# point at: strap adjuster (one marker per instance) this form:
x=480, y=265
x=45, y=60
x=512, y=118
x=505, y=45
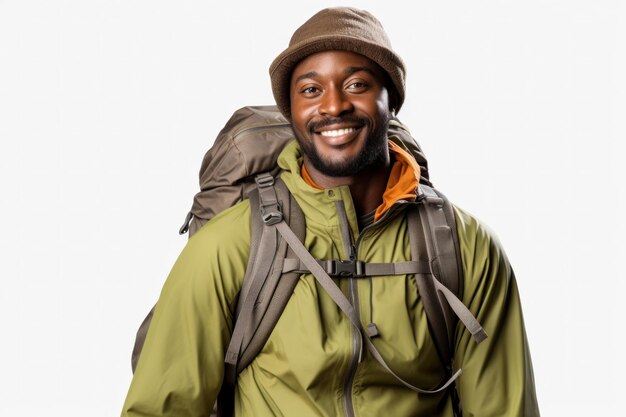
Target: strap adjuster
x=264, y=180
x=271, y=214
x=429, y=198
x=340, y=268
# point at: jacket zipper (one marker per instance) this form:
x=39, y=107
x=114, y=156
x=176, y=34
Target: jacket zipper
x=382, y=221
x=356, y=353
x=353, y=297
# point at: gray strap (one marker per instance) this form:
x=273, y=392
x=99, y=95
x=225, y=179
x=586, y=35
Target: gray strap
x=335, y=293
x=257, y=229
x=396, y=268
x=427, y=291
x=369, y=268
x=261, y=270
x=263, y=251
x=278, y=286
x=462, y=312
x=441, y=252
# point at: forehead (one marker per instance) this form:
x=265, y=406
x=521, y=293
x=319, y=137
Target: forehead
x=332, y=63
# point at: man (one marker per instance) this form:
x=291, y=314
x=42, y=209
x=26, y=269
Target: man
x=339, y=82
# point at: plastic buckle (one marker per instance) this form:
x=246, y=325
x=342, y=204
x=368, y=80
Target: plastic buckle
x=264, y=180
x=422, y=197
x=435, y=201
x=352, y=268
x=272, y=214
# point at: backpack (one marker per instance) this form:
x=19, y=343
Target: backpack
x=242, y=163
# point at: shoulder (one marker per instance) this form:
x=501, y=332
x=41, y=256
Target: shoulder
x=229, y=227
x=217, y=254
x=484, y=261
x=475, y=238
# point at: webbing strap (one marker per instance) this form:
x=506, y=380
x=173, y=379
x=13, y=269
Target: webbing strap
x=427, y=291
x=462, y=312
x=440, y=247
x=342, y=302
x=278, y=286
x=258, y=250
x=442, y=251
x=264, y=252
x=263, y=263
x=369, y=268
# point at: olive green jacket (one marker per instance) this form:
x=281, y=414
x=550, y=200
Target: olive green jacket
x=308, y=367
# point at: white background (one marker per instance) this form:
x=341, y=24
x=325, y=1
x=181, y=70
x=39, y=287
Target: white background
x=107, y=107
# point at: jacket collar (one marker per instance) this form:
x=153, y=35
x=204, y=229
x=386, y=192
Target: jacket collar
x=401, y=185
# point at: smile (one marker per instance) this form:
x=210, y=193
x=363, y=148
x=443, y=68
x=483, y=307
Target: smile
x=338, y=132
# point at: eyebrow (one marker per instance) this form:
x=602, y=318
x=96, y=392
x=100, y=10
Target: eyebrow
x=352, y=70
x=349, y=70
x=311, y=74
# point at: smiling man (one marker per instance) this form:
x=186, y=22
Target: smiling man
x=340, y=84
x=340, y=113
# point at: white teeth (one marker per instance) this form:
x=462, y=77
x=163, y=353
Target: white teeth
x=337, y=132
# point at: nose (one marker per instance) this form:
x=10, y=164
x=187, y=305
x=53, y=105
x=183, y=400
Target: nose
x=335, y=103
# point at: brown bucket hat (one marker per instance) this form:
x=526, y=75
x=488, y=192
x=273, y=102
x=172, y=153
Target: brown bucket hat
x=337, y=28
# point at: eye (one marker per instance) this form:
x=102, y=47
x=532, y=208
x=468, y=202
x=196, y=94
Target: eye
x=357, y=86
x=310, y=91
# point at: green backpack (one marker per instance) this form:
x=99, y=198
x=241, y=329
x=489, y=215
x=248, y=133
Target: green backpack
x=242, y=163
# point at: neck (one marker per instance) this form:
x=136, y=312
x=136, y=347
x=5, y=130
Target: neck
x=367, y=187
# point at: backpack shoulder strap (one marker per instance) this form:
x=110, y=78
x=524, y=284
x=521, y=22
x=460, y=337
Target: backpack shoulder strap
x=279, y=286
x=438, y=318
x=266, y=289
x=436, y=233
x=435, y=222
x=259, y=263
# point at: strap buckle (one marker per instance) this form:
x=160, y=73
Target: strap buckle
x=264, y=180
x=271, y=214
x=429, y=197
x=340, y=268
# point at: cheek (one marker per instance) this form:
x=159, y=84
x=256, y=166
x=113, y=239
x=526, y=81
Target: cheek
x=301, y=114
x=382, y=103
x=298, y=124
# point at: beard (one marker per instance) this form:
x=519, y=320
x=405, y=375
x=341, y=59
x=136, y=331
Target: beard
x=373, y=154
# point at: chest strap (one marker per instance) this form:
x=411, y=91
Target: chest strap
x=358, y=269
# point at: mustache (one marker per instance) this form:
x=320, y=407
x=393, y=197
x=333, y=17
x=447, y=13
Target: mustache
x=315, y=125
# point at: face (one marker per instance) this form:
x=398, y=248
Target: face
x=340, y=112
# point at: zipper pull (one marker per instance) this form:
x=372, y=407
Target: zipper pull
x=372, y=330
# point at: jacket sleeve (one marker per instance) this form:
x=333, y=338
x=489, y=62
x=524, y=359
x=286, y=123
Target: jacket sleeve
x=181, y=367
x=497, y=378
